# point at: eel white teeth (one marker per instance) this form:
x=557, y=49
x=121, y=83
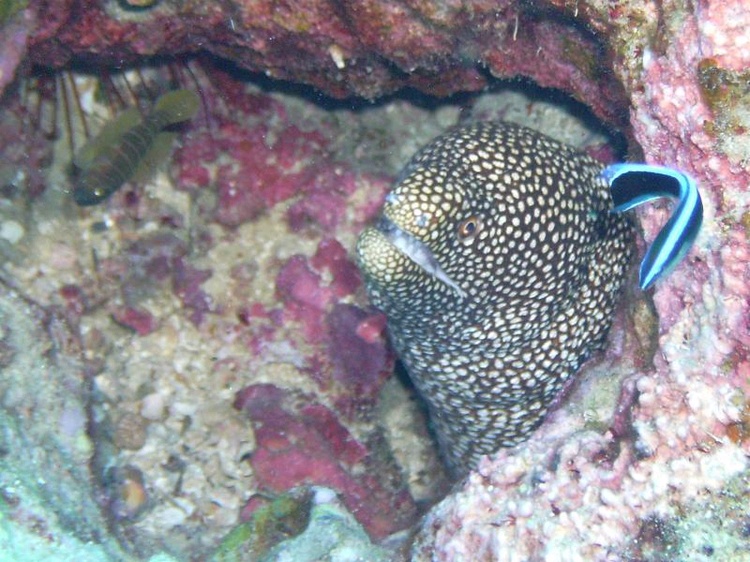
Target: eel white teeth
x=634, y=184
x=523, y=227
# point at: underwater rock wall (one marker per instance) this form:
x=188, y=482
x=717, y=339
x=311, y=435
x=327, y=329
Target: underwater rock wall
x=670, y=74
x=44, y=447
x=365, y=48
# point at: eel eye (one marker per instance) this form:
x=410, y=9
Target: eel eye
x=469, y=228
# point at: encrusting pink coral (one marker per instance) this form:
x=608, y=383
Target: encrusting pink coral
x=680, y=452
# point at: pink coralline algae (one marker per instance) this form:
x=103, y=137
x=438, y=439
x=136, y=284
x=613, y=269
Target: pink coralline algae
x=262, y=165
x=358, y=364
x=300, y=441
x=153, y=261
x=264, y=175
x=327, y=194
x=300, y=285
x=356, y=361
x=139, y=320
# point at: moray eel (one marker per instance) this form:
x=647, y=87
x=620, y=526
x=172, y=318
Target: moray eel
x=498, y=262
x=634, y=184
x=129, y=147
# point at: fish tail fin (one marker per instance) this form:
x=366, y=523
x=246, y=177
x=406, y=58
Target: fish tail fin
x=176, y=106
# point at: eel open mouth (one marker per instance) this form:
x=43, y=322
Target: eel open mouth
x=417, y=251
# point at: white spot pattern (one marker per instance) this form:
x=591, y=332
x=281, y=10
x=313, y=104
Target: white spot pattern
x=541, y=278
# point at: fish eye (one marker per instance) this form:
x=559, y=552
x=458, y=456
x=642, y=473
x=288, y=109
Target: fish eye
x=469, y=228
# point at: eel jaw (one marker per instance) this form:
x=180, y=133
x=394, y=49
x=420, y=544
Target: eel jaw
x=634, y=184
x=417, y=251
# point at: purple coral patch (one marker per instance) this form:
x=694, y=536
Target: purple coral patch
x=325, y=202
x=150, y=262
x=186, y=284
x=332, y=256
x=261, y=172
x=359, y=364
x=141, y=321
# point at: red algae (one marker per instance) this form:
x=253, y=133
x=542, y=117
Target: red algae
x=300, y=284
x=326, y=197
x=300, y=441
x=360, y=365
x=186, y=284
x=261, y=173
x=331, y=256
x=372, y=327
x=139, y=320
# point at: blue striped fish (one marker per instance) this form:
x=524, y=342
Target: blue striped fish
x=634, y=184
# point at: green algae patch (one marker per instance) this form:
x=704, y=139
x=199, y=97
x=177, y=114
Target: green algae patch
x=281, y=519
x=304, y=525
x=721, y=88
x=9, y=8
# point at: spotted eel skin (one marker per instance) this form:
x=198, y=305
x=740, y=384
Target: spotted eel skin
x=498, y=262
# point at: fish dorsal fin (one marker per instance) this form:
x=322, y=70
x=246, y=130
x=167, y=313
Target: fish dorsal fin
x=109, y=135
x=176, y=106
